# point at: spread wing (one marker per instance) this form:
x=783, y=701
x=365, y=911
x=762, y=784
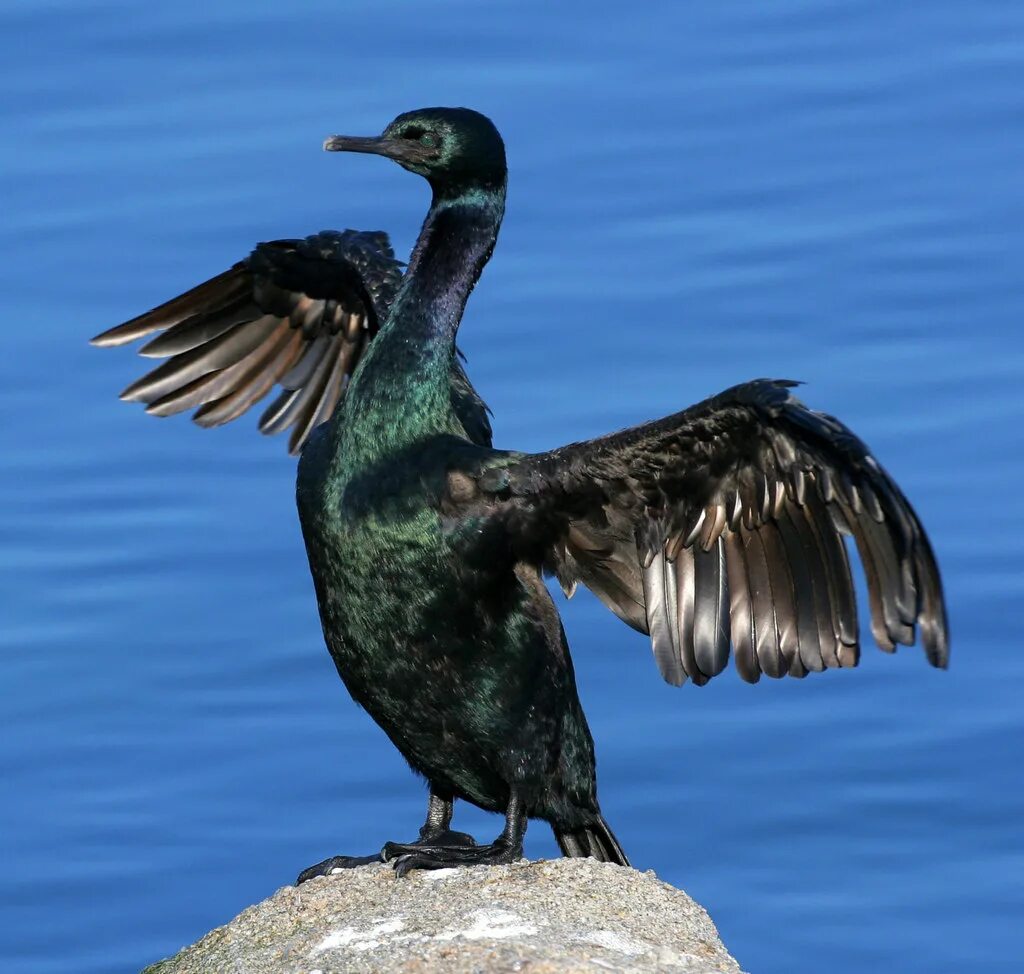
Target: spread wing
x=725, y=524
x=295, y=313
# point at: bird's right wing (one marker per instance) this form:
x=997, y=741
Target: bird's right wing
x=297, y=313
x=727, y=520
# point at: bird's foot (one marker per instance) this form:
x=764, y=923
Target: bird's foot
x=335, y=865
x=439, y=839
x=443, y=838
x=430, y=856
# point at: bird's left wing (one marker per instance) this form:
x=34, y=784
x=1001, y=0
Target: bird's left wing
x=725, y=523
x=297, y=313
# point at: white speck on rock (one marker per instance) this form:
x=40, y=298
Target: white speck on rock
x=434, y=874
x=487, y=924
x=358, y=939
x=611, y=940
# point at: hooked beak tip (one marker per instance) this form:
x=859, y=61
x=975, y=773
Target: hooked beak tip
x=331, y=143
x=356, y=143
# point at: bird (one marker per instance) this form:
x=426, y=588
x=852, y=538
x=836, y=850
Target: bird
x=721, y=530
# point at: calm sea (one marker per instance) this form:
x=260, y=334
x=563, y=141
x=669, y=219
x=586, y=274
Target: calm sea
x=700, y=193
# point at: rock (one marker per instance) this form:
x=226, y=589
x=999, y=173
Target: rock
x=562, y=915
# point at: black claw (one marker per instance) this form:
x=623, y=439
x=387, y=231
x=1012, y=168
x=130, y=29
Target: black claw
x=403, y=865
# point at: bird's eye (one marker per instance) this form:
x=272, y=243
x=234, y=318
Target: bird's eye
x=426, y=137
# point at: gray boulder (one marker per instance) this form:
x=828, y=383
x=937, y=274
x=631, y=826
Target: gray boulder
x=562, y=915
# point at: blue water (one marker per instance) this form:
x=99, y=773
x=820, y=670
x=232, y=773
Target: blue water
x=700, y=193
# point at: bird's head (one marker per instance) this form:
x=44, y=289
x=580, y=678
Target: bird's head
x=451, y=148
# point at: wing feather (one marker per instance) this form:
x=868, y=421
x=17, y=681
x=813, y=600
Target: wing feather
x=766, y=639
x=686, y=588
x=659, y=618
x=804, y=565
x=824, y=583
x=783, y=597
x=219, y=292
x=741, y=615
x=710, y=627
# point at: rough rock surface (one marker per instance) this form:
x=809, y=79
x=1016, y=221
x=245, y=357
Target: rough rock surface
x=536, y=917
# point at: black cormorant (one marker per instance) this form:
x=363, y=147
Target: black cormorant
x=721, y=523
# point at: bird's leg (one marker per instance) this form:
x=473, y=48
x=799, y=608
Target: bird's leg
x=435, y=832
x=508, y=847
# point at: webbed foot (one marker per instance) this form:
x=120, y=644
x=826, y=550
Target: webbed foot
x=424, y=856
x=335, y=864
x=443, y=838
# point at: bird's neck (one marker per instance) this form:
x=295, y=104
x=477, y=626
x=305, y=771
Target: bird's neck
x=401, y=390
x=454, y=244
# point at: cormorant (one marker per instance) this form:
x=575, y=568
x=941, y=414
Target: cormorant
x=723, y=522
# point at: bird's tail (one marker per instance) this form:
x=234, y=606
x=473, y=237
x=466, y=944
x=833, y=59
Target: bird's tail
x=595, y=840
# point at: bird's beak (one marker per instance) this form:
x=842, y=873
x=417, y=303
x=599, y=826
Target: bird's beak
x=401, y=150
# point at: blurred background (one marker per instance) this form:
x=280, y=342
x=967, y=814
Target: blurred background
x=700, y=194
